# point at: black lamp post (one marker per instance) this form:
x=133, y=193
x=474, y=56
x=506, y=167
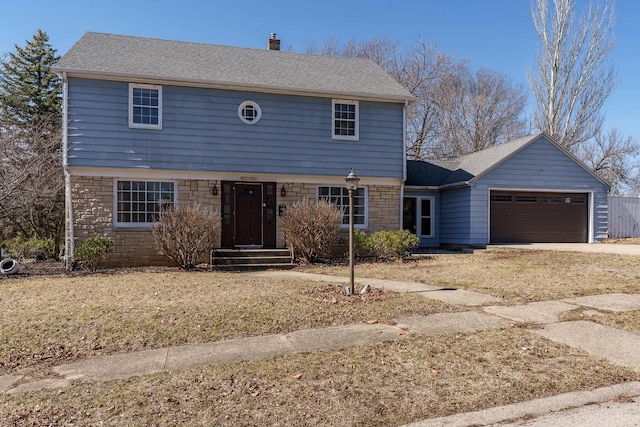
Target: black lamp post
x=352, y=186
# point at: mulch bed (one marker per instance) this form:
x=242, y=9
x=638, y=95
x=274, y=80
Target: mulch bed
x=334, y=294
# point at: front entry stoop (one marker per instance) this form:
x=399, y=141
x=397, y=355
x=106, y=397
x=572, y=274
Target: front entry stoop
x=251, y=259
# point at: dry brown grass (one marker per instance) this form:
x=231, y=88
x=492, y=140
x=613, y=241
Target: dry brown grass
x=375, y=385
x=517, y=275
x=50, y=320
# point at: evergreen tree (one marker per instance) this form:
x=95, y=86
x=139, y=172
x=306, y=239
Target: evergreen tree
x=31, y=174
x=29, y=91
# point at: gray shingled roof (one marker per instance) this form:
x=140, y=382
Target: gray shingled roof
x=128, y=57
x=464, y=168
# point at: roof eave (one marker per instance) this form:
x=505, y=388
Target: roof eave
x=229, y=85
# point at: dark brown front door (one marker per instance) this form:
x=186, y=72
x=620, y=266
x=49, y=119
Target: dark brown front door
x=248, y=214
x=248, y=221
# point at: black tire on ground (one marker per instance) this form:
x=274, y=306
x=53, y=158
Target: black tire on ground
x=9, y=266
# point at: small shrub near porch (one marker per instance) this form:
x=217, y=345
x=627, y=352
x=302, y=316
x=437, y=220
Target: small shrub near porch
x=385, y=245
x=187, y=232
x=311, y=227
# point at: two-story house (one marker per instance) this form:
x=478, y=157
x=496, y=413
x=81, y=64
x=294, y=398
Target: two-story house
x=151, y=122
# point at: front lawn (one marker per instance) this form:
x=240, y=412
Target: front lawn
x=50, y=320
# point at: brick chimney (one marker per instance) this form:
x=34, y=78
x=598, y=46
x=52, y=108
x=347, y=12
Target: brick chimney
x=274, y=43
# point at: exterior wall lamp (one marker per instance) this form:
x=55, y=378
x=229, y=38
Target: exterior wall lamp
x=283, y=191
x=352, y=186
x=214, y=190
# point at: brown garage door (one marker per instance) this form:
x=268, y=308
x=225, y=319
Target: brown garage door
x=521, y=217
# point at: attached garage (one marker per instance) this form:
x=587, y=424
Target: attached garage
x=530, y=190
x=528, y=217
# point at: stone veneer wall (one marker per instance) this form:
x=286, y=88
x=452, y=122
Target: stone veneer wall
x=93, y=202
x=383, y=203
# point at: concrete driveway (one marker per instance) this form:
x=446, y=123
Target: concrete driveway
x=602, y=248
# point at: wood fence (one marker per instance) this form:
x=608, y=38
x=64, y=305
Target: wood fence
x=624, y=217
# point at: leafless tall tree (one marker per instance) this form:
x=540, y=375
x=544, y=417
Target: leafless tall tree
x=477, y=111
x=31, y=182
x=574, y=75
x=611, y=156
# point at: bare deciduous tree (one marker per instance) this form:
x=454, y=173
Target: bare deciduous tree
x=31, y=181
x=574, y=75
x=610, y=156
x=477, y=111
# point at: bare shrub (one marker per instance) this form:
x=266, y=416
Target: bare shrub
x=311, y=227
x=185, y=233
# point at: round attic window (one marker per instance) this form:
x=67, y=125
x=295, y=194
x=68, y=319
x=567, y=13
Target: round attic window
x=249, y=112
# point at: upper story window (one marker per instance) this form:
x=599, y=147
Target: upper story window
x=139, y=203
x=345, y=120
x=339, y=196
x=145, y=106
x=249, y=112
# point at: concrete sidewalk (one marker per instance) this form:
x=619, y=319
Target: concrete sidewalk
x=612, y=344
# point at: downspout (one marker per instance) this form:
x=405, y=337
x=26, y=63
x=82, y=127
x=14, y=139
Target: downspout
x=69, y=234
x=404, y=161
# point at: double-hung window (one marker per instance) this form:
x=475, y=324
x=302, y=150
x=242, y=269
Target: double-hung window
x=140, y=203
x=145, y=106
x=339, y=196
x=345, y=120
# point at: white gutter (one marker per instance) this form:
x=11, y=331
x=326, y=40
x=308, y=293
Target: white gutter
x=69, y=234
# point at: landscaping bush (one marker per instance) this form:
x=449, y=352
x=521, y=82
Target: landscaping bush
x=362, y=243
x=310, y=228
x=393, y=244
x=22, y=249
x=185, y=233
x=91, y=251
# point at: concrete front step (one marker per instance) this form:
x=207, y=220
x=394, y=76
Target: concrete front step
x=251, y=259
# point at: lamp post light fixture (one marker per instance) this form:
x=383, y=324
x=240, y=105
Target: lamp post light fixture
x=352, y=186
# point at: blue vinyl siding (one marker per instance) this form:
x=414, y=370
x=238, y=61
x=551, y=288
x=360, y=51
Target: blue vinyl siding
x=455, y=216
x=202, y=132
x=536, y=168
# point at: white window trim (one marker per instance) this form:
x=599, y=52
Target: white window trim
x=118, y=224
x=365, y=225
x=419, y=216
x=355, y=137
x=142, y=125
x=255, y=106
